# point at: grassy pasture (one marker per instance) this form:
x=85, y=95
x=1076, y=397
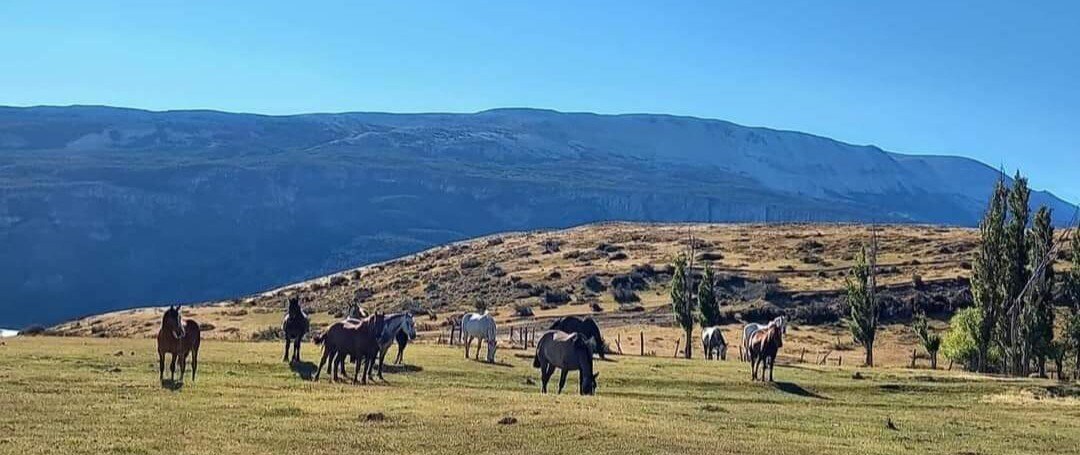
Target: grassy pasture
x=101, y=396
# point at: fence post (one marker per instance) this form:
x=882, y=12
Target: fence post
x=452, y=328
x=840, y=361
x=511, y=334
x=642, y=336
x=914, y=352
x=618, y=343
x=677, y=343
x=801, y=355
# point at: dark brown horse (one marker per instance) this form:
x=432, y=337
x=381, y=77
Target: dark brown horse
x=588, y=329
x=570, y=352
x=764, y=344
x=356, y=339
x=295, y=326
x=178, y=339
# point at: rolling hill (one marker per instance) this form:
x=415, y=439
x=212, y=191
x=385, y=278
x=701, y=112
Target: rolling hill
x=106, y=208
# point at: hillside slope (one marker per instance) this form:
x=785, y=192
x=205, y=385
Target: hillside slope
x=797, y=270
x=106, y=208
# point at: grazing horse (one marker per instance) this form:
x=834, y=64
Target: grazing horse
x=481, y=327
x=752, y=327
x=358, y=339
x=295, y=326
x=570, y=352
x=178, y=339
x=396, y=325
x=764, y=344
x=586, y=327
x=712, y=340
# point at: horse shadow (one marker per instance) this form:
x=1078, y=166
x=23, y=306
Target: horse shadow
x=172, y=385
x=495, y=363
x=795, y=389
x=306, y=370
x=405, y=368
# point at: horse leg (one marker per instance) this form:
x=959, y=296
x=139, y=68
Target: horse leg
x=183, y=365
x=161, y=365
x=545, y=375
x=322, y=362
x=400, y=353
x=296, y=349
x=562, y=379
x=382, y=360
x=286, y=356
x=772, y=366
x=467, y=342
x=172, y=367
x=194, y=362
x=478, y=342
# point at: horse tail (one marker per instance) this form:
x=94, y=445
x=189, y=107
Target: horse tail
x=536, y=358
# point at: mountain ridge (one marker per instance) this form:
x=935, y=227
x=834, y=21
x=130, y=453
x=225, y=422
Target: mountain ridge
x=104, y=208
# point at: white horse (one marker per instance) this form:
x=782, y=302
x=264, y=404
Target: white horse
x=481, y=327
x=752, y=327
x=395, y=323
x=712, y=340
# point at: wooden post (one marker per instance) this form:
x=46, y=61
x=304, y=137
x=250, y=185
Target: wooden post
x=950, y=364
x=914, y=352
x=511, y=334
x=802, y=355
x=840, y=361
x=618, y=343
x=440, y=337
x=453, y=327
x=678, y=341
x=642, y=336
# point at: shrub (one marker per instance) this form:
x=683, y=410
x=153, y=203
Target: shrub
x=917, y=281
x=619, y=256
x=550, y=246
x=624, y=295
x=959, y=343
x=338, y=280
x=480, y=305
x=593, y=283
x=272, y=333
x=556, y=297
x=817, y=313
x=523, y=310
x=470, y=263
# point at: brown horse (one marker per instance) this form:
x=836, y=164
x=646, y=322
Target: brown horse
x=356, y=339
x=178, y=339
x=764, y=344
x=294, y=326
x=570, y=352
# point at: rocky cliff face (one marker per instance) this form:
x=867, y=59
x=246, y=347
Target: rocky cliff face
x=104, y=208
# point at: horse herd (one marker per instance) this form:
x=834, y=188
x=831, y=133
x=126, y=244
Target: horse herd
x=362, y=339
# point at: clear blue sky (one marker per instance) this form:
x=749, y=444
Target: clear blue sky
x=985, y=79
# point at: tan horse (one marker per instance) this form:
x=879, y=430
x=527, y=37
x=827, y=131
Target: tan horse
x=764, y=344
x=178, y=339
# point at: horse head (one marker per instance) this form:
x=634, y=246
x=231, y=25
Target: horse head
x=410, y=326
x=589, y=384
x=294, y=305
x=171, y=322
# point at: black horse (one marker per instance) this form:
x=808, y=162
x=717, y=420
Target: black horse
x=586, y=327
x=295, y=326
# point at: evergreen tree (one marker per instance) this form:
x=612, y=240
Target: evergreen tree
x=1072, y=292
x=988, y=274
x=861, y=284
x=1015, y=256
x=682, y=302
x=706, y=299
x=1038, y=313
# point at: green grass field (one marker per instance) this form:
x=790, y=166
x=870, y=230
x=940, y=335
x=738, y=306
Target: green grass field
x=102, y=396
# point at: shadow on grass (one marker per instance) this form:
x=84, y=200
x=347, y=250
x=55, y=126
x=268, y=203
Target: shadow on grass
x=496, y=363
x=795, y=389
x=391, y=368
x=306, y=370
x=172, y=384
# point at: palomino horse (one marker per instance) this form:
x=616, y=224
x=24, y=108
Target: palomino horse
x=712, y=340
x=178, y=339
x=295, y=326
x=586, y=327
x=752, y=327
x=396, y=324
x=764, y=345
x=481, y=327
x=358, y=339
x=570, y=352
